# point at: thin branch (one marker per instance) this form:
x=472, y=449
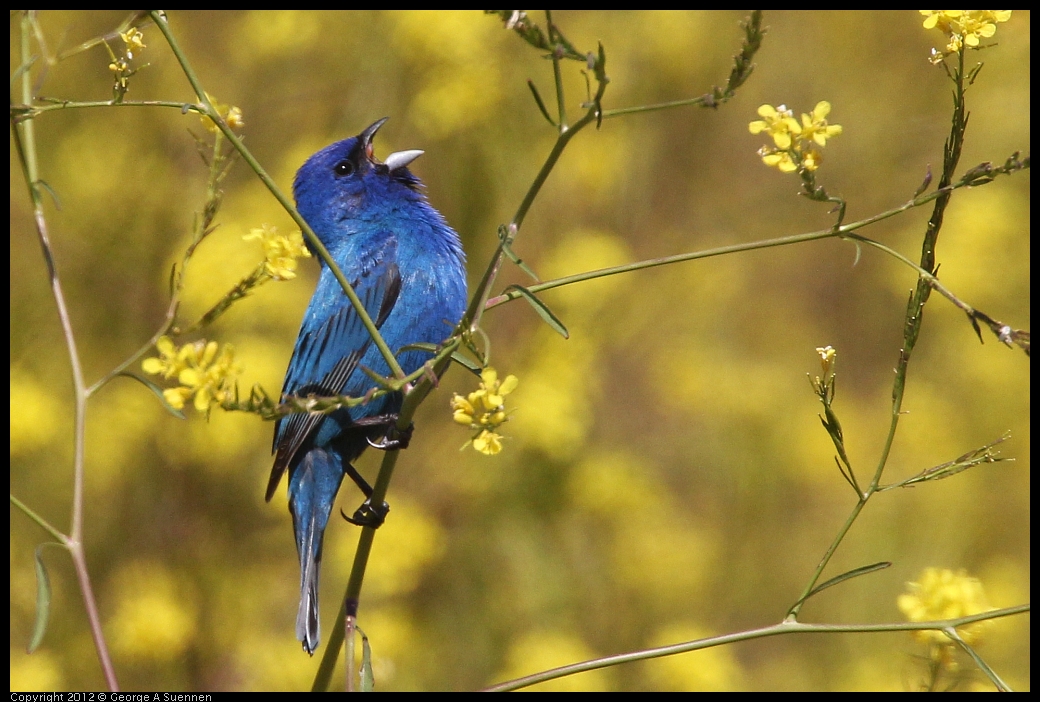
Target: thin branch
x=751, y=634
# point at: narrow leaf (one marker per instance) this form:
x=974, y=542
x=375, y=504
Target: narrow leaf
x=368, y=679
x=849, y=576
x=541, y=105
x=158, y=393
x=43, y=602
x=173, y=279
x=467, y=363
x=543, y=311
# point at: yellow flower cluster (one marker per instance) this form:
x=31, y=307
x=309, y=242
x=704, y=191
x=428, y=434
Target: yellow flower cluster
x=943, y=594
x=483, y=411
x=120, y=66
x=202, y=374
x=231, y=115
x=280, y=251
x=963, y=27
x=794, y=144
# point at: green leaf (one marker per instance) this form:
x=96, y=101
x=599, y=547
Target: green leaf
x=543, y=311
x=848, y=576
x=43, y=601
x=158, y=393
x=541, y=105
x=368, y=679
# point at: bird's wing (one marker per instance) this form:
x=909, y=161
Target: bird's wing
x=328, y=351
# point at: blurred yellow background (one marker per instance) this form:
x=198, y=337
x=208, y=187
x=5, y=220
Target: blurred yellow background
x=665, y=476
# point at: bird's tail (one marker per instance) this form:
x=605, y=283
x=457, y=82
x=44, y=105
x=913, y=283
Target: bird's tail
x=308, y=627
x=312, y=492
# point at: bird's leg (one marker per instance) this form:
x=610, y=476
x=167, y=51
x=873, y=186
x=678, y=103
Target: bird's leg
x=367, y=514
x=358, y=480
x=393, y=438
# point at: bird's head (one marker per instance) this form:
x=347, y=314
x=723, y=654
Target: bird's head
x=345, y=183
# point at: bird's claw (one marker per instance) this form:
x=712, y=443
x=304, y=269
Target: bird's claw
x=368, y=515
x=394, y=439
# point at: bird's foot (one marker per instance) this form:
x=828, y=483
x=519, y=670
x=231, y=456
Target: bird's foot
x=394, y=438
x=368, y=515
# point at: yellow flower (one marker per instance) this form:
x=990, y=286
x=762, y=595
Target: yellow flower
x=981, y=23
x=234, y=118
x=463, y=410
x=483, y=411
x=815, y=126
x=166, y=363
x=280, y=251
x=943, y=594
x=964, y=27
x=778, y=122
x=218, y=383
x=200, y=373
x=795, y=144
x=940, y=19
x=496, y=390
x=811, y=159
x=488, y=443
x=780, y=159
x=177, y=396
x=133, y=40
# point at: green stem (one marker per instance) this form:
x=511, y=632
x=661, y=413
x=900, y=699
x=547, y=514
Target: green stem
x=843, y=231
x=983, y=666
x=24, y=112
x=914, y=317
x=763, y=632
x=792, y=613
x=352, y=598
x=40, y=521
x=561, y=105
x=25, y=142
x=621, y=111
x=479, y=301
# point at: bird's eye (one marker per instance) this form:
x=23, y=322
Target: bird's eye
x=343, y=168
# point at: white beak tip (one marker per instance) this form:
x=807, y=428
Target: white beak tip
x=400, y=159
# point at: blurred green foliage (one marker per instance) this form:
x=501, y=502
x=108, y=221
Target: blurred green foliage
x=665, y=475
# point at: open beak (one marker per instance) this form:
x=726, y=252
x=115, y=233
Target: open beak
x=398, y=159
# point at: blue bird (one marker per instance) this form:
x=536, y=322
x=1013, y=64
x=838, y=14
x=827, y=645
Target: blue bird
x=408, y=268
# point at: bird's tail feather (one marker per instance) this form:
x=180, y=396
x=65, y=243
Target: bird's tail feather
x=308, y=626
x=312, y=492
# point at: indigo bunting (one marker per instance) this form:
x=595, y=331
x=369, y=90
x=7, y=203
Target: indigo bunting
x=408, y=268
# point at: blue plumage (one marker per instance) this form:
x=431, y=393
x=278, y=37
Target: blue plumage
x=407, y=266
